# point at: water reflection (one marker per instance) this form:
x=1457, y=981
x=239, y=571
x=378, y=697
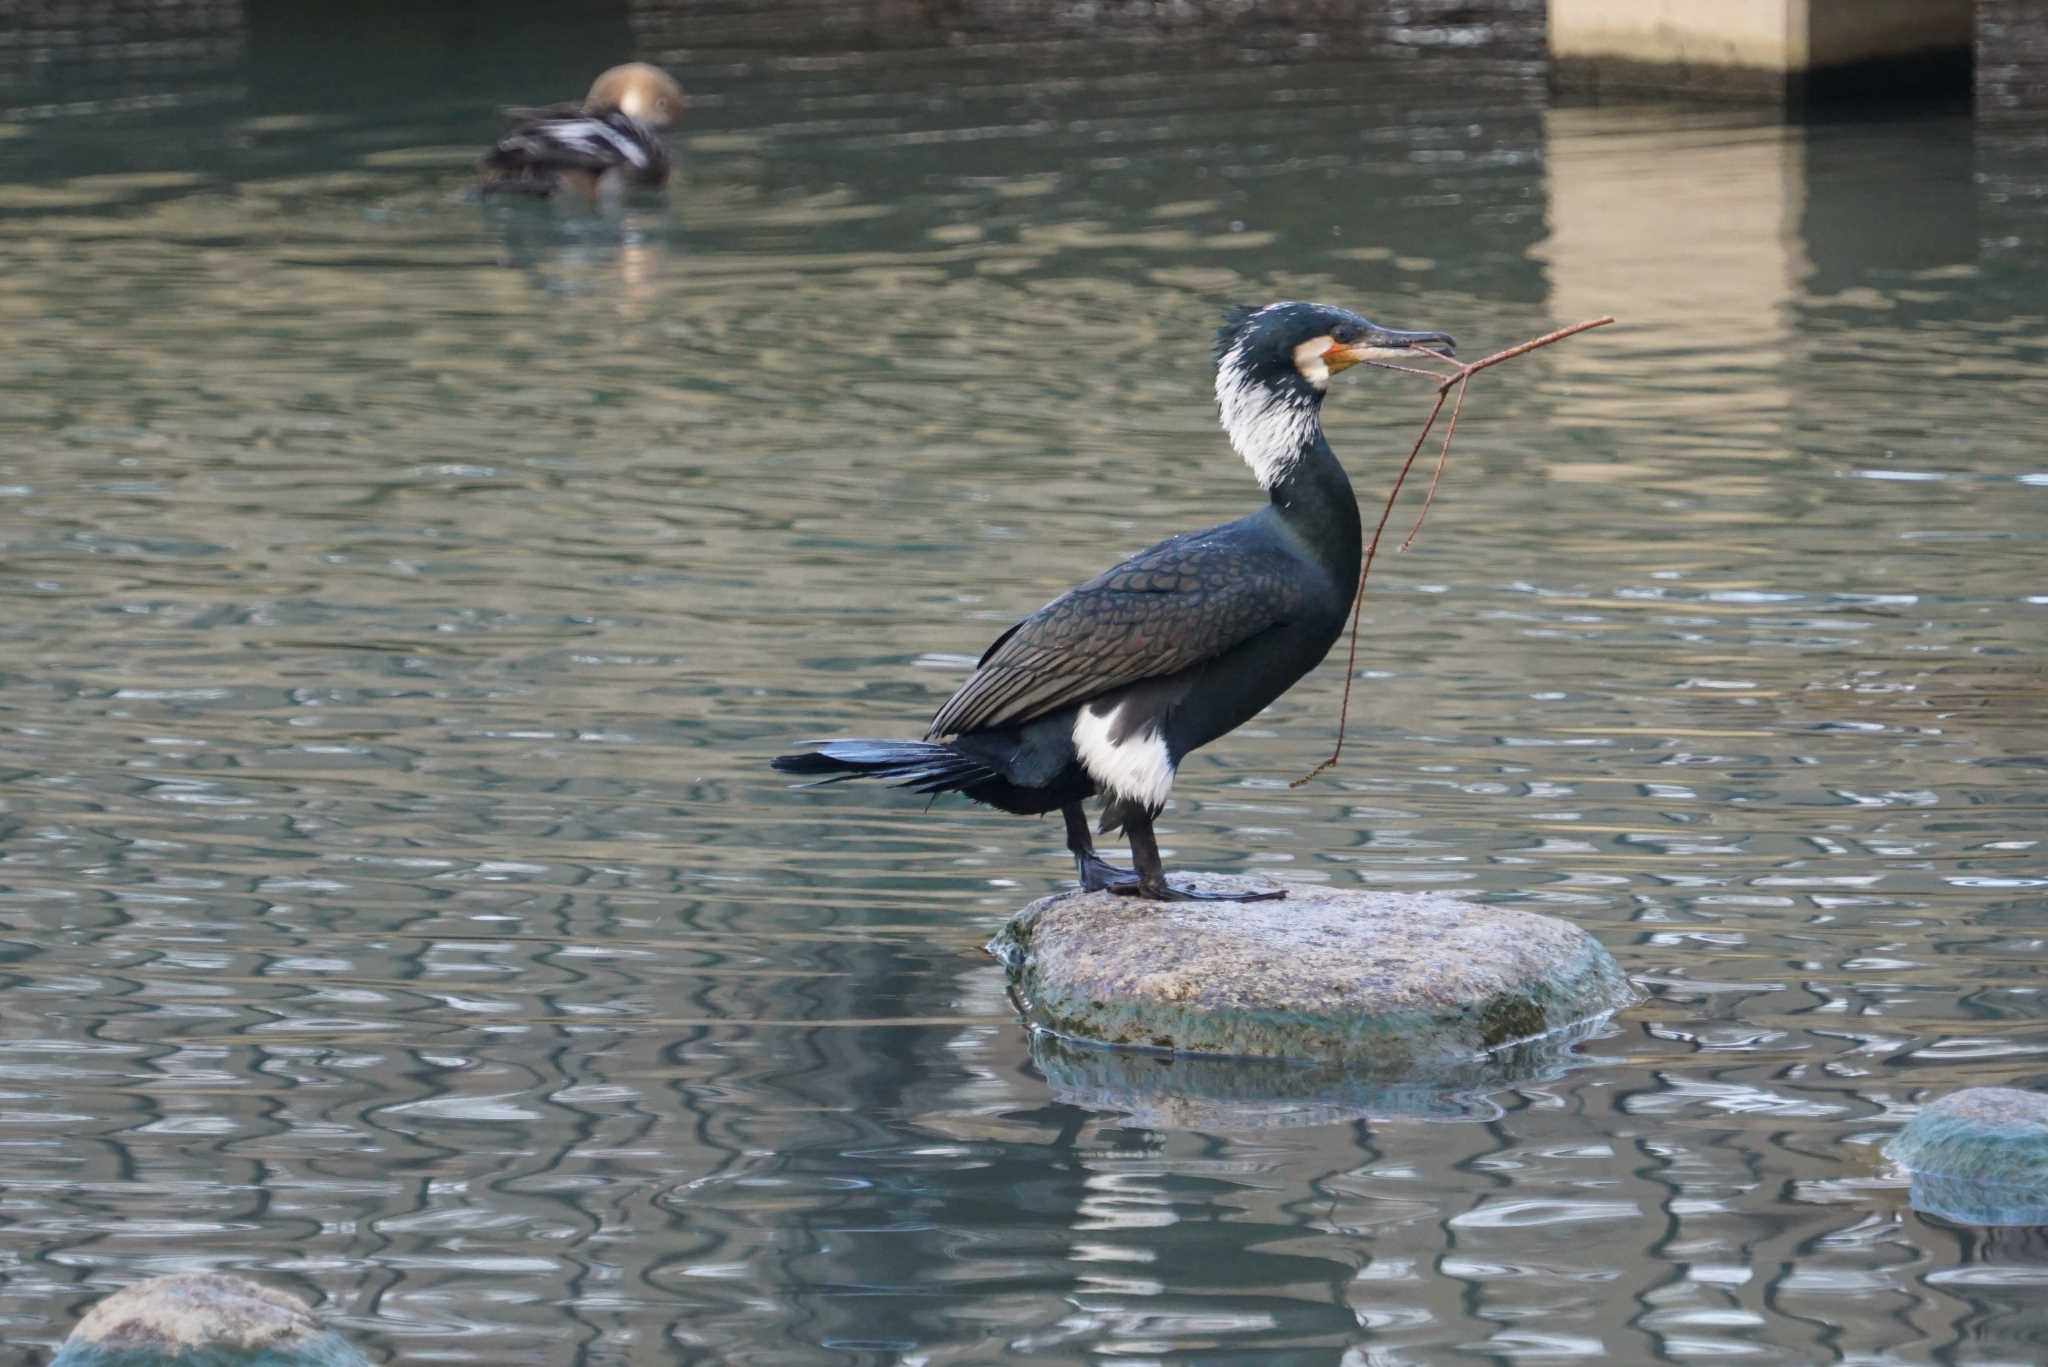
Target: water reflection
x=1213, y=1093
x=402, y=595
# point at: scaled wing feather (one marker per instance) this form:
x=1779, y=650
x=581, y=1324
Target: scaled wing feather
x=1181, y=604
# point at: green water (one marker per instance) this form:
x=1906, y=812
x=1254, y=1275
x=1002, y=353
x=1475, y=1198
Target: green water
x=400, y=597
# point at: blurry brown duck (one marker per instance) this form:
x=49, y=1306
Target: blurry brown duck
x=606, y=144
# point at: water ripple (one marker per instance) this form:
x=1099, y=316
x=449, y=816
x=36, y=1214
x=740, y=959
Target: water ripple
x=405, y=594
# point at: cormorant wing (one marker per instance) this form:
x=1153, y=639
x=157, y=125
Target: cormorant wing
x=1186, y=601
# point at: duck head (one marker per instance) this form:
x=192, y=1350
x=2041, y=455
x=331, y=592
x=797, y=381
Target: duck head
x=639, y=91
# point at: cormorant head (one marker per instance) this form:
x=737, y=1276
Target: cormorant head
x=1273, y=364
x=639, y=91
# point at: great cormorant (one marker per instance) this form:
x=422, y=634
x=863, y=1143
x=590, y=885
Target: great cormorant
x=610, y=141
x=1107, y=687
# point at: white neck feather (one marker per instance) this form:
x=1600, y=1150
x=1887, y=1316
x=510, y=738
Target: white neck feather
x=1269, y=430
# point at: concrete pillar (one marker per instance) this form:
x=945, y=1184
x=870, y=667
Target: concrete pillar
x=1779, y=51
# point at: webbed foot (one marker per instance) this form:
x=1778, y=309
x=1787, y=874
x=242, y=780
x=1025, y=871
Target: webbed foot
x=1098, y=875
x=1166, y=892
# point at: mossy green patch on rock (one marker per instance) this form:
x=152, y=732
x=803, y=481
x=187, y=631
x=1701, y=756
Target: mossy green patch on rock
x=1394, y=983
x=1176, y=1091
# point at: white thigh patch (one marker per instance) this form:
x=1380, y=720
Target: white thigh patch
x=1137, y=767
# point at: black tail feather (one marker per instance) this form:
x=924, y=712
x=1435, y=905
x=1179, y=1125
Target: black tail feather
x=914, y=764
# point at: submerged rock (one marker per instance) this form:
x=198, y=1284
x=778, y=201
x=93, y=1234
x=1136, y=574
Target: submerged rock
x=1979, y=1156
x=203, y=1319
x=1164, y=1091
x=1391, y=984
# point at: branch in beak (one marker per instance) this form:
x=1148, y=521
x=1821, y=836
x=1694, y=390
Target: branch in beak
x=1385, y=344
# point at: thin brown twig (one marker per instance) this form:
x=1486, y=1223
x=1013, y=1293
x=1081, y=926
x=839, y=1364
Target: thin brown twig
x=1443, y=458
x=1462, y=377
x=1412, y=370
x=1467, y=371
x=1358, y=599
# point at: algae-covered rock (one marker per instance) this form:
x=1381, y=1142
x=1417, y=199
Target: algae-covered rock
x=1979, y=1156
x=203, y=1319
x=1394, y=984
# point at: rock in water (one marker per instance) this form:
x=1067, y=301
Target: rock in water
x=203, y=1319
x=1211, y=1093
x=1395, y=984
x=1979, y=1156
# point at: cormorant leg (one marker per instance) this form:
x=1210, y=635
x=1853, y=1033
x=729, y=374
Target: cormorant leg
x=1152, y=884
x=1096, y=875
